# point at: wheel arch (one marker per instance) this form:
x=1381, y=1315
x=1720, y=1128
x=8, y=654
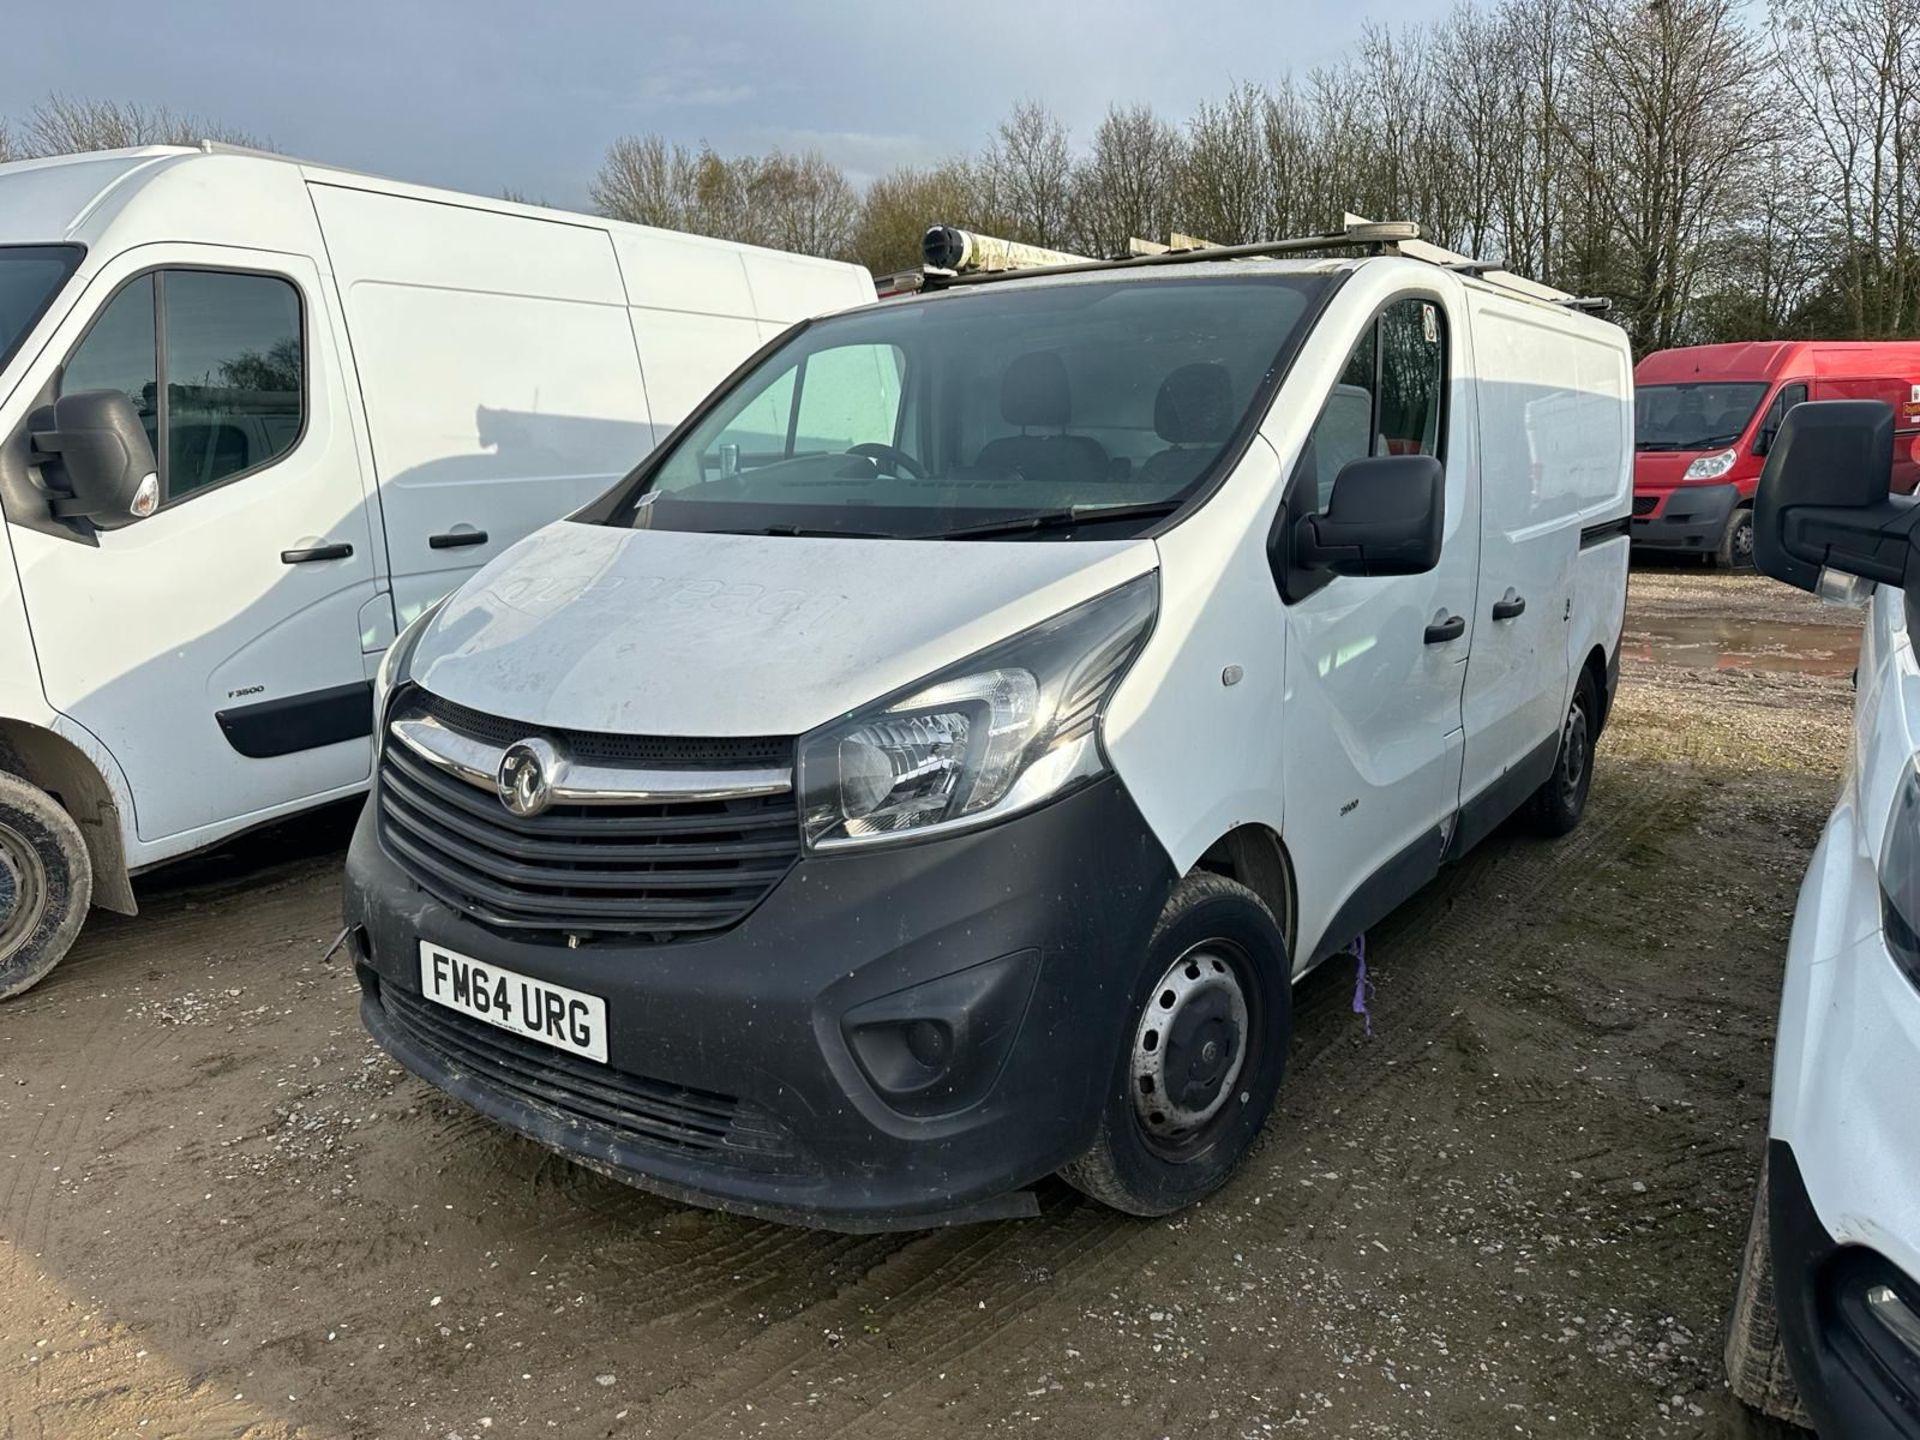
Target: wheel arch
x=59, y=767
x=1256, y=856
x=1595, y=668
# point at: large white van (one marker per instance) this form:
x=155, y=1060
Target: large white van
x=324, y=399
x=932, y=767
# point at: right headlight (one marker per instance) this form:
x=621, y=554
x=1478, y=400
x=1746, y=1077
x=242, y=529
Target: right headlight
x=1900, y=874
x=999, y=733
x=395, y=664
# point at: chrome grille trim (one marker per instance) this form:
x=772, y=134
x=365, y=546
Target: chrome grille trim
x=478, y=763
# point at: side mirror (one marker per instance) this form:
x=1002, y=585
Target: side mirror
x=1384, y=517
x=95, y=459
x=1823, y=502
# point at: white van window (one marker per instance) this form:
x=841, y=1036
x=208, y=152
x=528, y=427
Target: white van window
x=984, y=405
x=1389, y=400
x=229, y=347
x=30, y=275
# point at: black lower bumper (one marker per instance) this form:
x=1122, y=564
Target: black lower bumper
x=775, y=1069
x=1855, y=1376
x=1694, y=518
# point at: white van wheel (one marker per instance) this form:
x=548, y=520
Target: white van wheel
x=46, y=884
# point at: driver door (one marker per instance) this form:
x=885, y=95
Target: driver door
x=214, y=648
x=1376, y=666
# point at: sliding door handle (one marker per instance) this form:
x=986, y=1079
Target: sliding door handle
x=1446, y=627
x=456, y=539
x=1508, y=606
x=337, y=550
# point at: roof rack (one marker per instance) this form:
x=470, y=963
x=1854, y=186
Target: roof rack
x=948, y=252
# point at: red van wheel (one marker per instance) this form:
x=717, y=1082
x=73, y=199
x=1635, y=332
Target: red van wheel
x=1736, y=546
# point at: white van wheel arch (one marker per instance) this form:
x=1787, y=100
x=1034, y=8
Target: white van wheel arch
x=51, y=763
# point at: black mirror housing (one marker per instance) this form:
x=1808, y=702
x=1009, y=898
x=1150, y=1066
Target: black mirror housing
x=1385, y=517
x=1824, y=500
x=95, y=459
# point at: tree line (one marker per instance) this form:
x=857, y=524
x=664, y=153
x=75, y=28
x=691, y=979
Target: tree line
x=1716, y=172
x=1716, y=177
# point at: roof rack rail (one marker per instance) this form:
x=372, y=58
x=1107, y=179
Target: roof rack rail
x=955, y=257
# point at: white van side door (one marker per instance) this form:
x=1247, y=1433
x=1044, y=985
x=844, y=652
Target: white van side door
x=1375, y=666
x=1549, y=438
x=214, y=648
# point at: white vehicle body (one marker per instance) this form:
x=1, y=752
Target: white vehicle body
x=467, y=370
x=1327, y=752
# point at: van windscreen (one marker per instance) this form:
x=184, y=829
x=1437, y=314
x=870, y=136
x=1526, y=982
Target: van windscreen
x=30, y=276
x=1023, y=407
x=1702, y=415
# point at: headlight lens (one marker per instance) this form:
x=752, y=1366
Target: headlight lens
x=1900, y=874
x=994, y=735
x=1711, y=467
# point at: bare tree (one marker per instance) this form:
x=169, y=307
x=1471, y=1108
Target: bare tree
x=1029, y=175
x=646, y=181
x=1225, y=195
x=1128, y=184
x=64, y=125
x=898, y=208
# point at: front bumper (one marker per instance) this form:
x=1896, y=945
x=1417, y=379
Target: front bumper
x=747, y=1069
x=1856, y=1374
x=1692, y=517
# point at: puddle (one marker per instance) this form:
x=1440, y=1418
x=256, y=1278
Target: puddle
x=1706, y=642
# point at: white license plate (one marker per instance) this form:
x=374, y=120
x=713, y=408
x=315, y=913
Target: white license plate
x=536, y=1009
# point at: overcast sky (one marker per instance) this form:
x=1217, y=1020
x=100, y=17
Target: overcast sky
x=480, y=94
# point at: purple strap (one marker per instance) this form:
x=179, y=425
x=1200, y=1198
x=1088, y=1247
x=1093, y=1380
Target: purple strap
x=1362, y=987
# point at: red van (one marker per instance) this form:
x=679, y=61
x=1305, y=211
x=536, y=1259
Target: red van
x=1704, y=417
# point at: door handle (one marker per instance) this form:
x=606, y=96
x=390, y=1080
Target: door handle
x=336, y=550
x=1508, y=606
x=456, y=539
x=1446, y=627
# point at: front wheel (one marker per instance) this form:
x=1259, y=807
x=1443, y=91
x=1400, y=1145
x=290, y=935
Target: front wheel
x=1756, y=1360
x=1204, y=1053
x=1736, y=546
x=46, y=884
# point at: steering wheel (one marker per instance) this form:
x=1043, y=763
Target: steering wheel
x=890, y=455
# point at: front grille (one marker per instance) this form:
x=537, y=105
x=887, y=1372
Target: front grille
x=629, y=1110
x=1645, y=504
x=660, y=869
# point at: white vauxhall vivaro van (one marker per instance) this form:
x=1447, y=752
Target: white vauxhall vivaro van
x=931, y=767
x=254, y=416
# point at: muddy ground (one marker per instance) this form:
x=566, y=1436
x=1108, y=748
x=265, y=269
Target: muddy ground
x=1516, y=1209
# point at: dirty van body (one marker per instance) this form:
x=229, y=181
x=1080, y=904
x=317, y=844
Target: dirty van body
x=931, y=769
x=1707, y=415
x=255, y=415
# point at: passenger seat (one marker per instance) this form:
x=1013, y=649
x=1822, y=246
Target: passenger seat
x=1193, y=413
x=1034, y=392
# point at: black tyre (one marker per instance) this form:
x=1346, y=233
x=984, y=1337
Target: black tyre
x=1556, y=807
x=1756, y=1360
x=1203, y=1054
x=1736, y=546
x=46, y=884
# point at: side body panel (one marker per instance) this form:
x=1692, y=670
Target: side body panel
x=497, y=371
x=1556, y=417
x=21, y=697
x=1341, y=702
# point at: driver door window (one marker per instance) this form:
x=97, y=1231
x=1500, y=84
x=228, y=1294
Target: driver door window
x=848, y=396
x=1789, y=396
x=1388, y=401
x=213, y=364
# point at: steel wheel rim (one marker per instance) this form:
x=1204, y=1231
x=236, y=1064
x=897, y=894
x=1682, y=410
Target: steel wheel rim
x=1574, y=743
x=1743, y=539
x=1190, y=1047
x=23, y=891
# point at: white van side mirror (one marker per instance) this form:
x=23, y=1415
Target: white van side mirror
x=1385, y=517
x=1823, y=502
x=95, y=459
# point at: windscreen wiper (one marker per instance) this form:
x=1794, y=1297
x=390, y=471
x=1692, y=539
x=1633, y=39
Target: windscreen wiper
x=1057, y=520
x=816, y=533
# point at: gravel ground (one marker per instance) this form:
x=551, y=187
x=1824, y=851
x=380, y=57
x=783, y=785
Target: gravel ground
x=1516, y=1209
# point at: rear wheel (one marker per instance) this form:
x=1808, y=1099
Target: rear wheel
x=1557, y=805
x=1204, y=1053
x=46, y=884
x=1756, y=1360
x=1736, y=546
